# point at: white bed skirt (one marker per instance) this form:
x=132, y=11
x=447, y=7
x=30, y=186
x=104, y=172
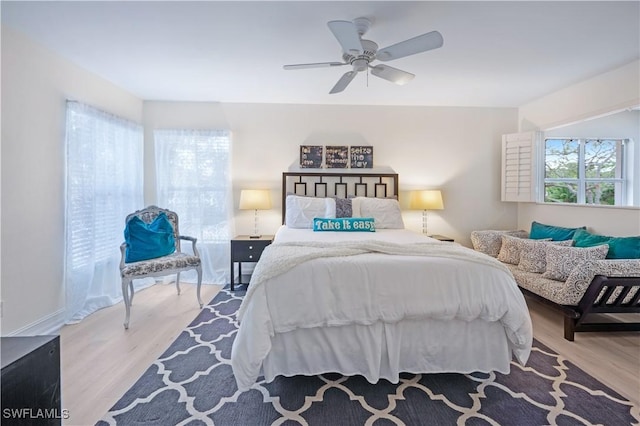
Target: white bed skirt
x=376, y=351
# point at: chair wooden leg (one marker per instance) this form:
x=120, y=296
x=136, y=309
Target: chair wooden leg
x=199, y=270
x=132, y=292
x=127, y=301
x=178, y=282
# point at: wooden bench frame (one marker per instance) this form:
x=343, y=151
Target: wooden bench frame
x=574, y=316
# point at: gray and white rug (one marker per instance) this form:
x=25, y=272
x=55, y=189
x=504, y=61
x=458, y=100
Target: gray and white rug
x=192, y=384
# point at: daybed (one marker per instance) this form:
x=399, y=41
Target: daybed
x=374, y=304
x=580, y=273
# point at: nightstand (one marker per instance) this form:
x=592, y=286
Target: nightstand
x=441, y=238
x=246, y=249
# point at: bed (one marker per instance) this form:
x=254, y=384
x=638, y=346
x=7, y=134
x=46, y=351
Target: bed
x=368, y=303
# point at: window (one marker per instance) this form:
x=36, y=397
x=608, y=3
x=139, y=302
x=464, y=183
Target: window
x=193, y=169
x=585, y=171
x=103, y=185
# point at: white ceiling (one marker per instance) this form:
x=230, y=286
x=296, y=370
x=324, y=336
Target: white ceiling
x=501, y=54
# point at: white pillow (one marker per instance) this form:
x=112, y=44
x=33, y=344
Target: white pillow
x=302, y=210
x=385, y=211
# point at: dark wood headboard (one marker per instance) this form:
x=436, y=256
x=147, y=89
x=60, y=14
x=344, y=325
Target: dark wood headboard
x=338, y=184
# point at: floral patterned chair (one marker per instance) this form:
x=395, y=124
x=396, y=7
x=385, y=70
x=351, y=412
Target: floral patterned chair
x=173, y=263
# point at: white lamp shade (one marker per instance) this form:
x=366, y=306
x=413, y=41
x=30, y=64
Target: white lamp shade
x=255, y=199
x=427, y=200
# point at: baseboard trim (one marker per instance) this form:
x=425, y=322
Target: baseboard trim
x=48, y=325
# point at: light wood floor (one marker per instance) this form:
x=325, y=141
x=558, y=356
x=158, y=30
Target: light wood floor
x=100, y=360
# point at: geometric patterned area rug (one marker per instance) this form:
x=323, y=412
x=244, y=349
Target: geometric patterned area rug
x=192, y=384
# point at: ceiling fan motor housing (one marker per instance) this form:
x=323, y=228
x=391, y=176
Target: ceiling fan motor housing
x=361, y=62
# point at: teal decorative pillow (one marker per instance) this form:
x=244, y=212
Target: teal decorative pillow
x=148, y=240
x=556, y=233
x=619, y=247
x=345, y=224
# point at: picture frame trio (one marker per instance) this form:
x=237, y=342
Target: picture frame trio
x=336, y=156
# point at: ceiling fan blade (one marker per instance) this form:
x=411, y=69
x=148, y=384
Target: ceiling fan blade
x=394, y=75
x=419, y=44
x=347, y=35
x=343, y=82
x=314, y=65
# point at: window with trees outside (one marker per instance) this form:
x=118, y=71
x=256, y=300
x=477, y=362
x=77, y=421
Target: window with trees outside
x=585, y=171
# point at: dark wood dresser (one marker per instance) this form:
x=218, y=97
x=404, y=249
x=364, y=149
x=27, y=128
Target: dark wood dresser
x=31, y=381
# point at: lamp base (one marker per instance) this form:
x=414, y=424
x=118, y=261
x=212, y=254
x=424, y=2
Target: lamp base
x=255, y=236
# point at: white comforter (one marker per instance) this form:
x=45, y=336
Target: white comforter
x=308, y=280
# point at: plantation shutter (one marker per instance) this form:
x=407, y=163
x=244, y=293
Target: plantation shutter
x=519, y=166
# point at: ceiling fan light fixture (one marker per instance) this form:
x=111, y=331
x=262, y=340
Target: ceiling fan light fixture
x=360, y=64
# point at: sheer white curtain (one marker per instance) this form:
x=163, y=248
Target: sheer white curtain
x=104, y=157
x=194, y=180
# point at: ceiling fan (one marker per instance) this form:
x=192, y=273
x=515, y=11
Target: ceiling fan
x=360, y=53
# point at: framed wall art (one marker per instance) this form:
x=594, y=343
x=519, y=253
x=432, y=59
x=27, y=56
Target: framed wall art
x=311, y=156
x=361, y=157
x=337, y=157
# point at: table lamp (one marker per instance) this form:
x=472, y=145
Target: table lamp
x=430, y=199
x=255, y=199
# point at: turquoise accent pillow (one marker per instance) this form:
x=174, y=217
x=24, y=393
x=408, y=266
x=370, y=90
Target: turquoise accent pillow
x=148, y=240
x=619, y=247
x=556, y=233
x=344, y=224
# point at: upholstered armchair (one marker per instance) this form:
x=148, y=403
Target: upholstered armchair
x=151, y=249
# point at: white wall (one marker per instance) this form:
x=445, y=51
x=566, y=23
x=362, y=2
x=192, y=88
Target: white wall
x=611, y=91
x=570, y=107
x=35, y=85
x=455, y=149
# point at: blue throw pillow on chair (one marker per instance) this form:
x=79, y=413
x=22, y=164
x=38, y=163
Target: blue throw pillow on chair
x=148, y=240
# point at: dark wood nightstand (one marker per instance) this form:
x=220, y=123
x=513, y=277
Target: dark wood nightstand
x=246, y=249
x=441, y=238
